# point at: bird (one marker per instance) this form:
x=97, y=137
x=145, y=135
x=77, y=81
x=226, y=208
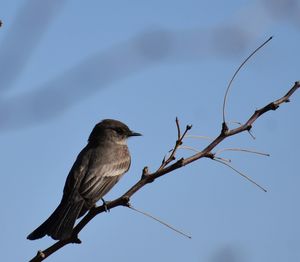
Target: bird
x=97, y=168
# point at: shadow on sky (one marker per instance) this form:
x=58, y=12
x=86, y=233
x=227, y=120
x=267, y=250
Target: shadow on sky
x=106, y=66
x=227, y=254
x=23, y=36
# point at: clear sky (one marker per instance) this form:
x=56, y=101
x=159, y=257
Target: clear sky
x=66, y=65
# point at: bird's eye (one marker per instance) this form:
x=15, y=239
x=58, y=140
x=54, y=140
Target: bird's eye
x=119, y=130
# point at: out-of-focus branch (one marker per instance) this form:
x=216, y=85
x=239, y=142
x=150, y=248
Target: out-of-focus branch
x=166, y=168
x=32, y=20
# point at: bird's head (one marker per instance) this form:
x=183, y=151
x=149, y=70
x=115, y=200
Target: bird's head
x=110, y=129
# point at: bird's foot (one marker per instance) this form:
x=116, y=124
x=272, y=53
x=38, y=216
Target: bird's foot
x=105, y=205
x=75, y=240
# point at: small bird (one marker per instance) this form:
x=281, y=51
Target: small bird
x=98, y=167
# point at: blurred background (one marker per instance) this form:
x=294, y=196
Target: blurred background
x=66, y=65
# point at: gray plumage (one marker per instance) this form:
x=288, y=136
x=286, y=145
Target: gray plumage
x=98, y=167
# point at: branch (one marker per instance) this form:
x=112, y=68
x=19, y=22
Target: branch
x=240, y=173
x=237, y=71
x=159, y=221
x=178, y=143
x=166, y=168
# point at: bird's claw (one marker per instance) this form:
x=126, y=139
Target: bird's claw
x=105, y=205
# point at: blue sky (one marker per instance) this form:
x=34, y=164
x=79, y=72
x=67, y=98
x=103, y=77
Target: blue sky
x=66, y=65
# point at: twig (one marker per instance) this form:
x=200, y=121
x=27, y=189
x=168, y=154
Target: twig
x=236, y=72
x=178, y=143
x=239, y=123
x=223, y=159
x=159, y=221
x=235, y=122
x=241, y=150
x=250, y=133
x=240, y=173
x=178, y=128
x=189, y=148
x=200, y=137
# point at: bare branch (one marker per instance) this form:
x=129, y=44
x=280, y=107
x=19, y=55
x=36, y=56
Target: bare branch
x=150, y=177
x=239, y=123
x=178, y=143
x=236, y=72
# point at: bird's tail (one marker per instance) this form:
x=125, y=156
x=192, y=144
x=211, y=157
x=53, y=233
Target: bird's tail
x=60, y=224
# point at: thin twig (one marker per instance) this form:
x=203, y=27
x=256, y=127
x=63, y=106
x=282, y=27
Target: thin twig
x=178, y=128
x=236, y=72
x=239, y=123
x=241, y=150
x=189, y=148
x=199, y=137
x=250, y=133
x=178, y=143
x=240, y=173
x=223, y=159
x=235, y=122
x=159, y=221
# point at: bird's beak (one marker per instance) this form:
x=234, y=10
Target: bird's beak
x=134, y=134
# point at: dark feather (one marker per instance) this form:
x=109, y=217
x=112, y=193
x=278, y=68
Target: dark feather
x=98, y=167
x=60, y=224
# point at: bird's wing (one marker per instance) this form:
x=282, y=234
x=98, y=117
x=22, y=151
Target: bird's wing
x=78, y=172
x=103, y=173
x=60, y=224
